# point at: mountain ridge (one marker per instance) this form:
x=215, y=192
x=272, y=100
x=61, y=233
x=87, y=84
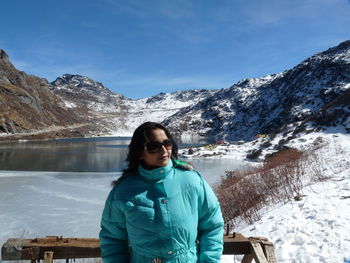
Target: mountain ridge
x=27, y=104
x=273, y=102
x=307, y=96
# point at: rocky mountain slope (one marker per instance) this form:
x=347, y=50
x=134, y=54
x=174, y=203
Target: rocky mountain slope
x=159, y=107
x=311, y=95
x=75, y=105
x=76, y=90
x=118, y=114
x=107, y=110
x=27, y=104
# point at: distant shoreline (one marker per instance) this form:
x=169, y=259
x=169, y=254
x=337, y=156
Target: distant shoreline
x=57, y=133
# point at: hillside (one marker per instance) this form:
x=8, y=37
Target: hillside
x=311, y=228
x=115, y=112
x=27, y=105
x=315, y=92
x=311, y=96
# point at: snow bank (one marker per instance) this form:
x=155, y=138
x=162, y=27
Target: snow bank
x=315, y=229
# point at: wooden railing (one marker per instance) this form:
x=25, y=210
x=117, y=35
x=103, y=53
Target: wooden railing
x=53, y=247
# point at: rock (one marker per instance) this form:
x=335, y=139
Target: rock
x=253, y=154
x=3, y=55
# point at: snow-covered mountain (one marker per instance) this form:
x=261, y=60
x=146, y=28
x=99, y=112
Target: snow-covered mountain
x=159, y=107
x=315, y=92
x=121, y=115
x=312, y=95
x=80, y=90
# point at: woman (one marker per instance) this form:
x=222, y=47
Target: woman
x=160, y=210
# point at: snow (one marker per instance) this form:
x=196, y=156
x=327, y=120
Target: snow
x=156, y=109
x=315, y=229
x=69, y=104
x=37, y=204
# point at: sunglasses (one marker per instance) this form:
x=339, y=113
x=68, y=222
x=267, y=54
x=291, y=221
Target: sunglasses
x=156, y=147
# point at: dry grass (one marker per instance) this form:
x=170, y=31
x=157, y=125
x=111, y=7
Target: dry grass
x=242, y=194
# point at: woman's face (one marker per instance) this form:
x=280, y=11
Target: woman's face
x=154, y=158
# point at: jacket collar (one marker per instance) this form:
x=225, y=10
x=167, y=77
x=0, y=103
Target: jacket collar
x=156, y=174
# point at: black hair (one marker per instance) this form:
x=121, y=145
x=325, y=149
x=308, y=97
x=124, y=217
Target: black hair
x=142, y=135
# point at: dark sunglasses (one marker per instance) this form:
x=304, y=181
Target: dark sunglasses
x=156, y=147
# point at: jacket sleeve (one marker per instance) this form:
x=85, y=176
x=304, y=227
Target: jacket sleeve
x=210, y=226
x=113, y=235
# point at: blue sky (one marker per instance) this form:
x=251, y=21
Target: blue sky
x=140, y=48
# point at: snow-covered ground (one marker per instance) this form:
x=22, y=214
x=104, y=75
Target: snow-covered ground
x=315, y=229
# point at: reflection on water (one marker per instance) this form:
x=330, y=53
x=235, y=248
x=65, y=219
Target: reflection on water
x=73, y=155
x=90, y=155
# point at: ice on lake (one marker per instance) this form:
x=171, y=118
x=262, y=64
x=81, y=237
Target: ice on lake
x=69, y=204
x=37, y=204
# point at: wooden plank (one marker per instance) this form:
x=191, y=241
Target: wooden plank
x=31, y=253
x=48, y=257
x=258, y=252
x=236, y=244
x=13, y=249
x=247, y=258
x=63, y=248
x=269, y=251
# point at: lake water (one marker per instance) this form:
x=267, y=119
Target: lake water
x=59, y=187
x=86, y=155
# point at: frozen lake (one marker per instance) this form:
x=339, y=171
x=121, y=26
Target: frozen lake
x=59, y=188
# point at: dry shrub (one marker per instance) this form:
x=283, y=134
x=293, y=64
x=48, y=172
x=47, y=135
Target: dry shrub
x=282, y=174
x=233, y=206
x=243, y=194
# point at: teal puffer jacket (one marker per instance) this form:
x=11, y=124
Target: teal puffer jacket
x=162, y=215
